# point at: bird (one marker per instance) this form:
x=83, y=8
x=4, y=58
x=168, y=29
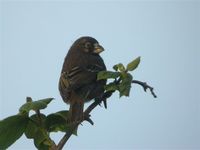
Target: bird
x=78, y=82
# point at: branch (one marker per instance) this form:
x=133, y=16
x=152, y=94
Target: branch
x=97, y=102
x=145, y=87
x=66, y=137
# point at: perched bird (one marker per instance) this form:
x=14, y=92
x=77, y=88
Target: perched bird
x=78, y=81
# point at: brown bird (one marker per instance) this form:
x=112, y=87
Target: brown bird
x=78, y=81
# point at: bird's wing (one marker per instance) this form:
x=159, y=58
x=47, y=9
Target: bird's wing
x=79, y=76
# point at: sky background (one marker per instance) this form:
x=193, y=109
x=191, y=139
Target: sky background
x=36, y=35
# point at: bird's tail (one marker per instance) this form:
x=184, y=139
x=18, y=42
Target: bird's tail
x=76, y=109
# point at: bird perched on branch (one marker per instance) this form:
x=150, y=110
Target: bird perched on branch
x=78, y=81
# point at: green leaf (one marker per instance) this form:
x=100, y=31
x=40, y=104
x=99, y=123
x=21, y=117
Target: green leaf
x=111, y=87
x=31, y=130
x=42, y=140
x=107, y=74
x=125, y=85
x=133, y=65
x=45, y=145
x=39, y=119
x=115, y=67
x=35, y=105
x=40, y=137
x=59, y=122
x=34, y=123
x=36, y=130
x=119, y=67
x=12, y=129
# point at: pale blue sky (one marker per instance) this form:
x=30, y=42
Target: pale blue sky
x=35, y=37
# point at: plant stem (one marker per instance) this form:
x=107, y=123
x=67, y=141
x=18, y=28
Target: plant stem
x=145, y=87
x=66, y=137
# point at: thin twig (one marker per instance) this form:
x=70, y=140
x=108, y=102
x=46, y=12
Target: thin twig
x=145, y=87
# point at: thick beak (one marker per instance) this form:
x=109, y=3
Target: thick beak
x=98, y=48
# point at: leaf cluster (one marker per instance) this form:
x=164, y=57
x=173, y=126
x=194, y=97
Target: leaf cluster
x=122, y=79
x=38, y=126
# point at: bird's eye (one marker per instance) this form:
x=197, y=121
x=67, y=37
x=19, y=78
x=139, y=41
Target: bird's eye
x=87, y=45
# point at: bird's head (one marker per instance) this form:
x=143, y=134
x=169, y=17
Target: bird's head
x=88, y=45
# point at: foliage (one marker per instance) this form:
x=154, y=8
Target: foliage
x=122, y=77
x=39, y=126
